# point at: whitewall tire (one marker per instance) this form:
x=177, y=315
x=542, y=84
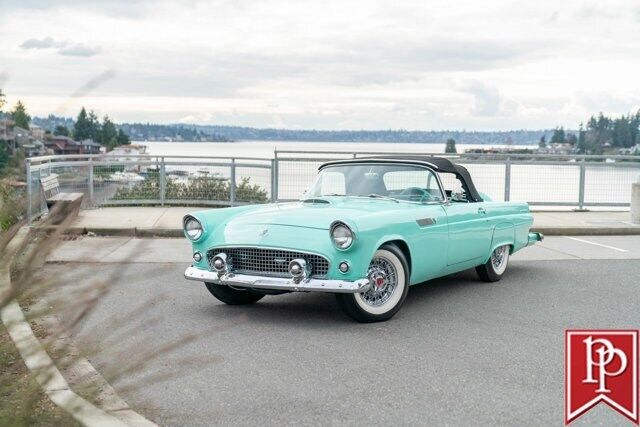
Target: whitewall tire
x=389, y=276
x=494, y=268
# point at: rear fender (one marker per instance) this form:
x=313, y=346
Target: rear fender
x=503, y=234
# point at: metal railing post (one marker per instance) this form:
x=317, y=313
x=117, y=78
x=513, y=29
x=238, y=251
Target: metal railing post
x=91, y=180
x=581, y=186
x=163, y=181
x=29, y=190
x=274, y=179
x=507, y=179
x=232, y=183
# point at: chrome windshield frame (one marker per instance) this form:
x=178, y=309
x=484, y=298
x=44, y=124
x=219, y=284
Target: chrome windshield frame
x=374, y=163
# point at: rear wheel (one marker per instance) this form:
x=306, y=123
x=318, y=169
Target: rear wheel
x=233, y=296
x=389, y=276
x=494, y=269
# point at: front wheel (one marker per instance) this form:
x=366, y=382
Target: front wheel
x=389, y=276
x=233, y=296
x=494, y=269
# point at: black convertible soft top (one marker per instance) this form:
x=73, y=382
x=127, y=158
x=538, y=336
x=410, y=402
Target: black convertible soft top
x=439, y=164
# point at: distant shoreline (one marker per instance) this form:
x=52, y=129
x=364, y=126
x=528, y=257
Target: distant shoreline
x=325, y=142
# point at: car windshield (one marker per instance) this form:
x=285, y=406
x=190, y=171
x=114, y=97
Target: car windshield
x=395, y=181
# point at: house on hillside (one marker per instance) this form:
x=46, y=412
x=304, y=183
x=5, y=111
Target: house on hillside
x=89, y=146
x=34, y=148
x=6, y=134
x=21, y=136
x=6, y=126
x=63, y=145
x=36, y=132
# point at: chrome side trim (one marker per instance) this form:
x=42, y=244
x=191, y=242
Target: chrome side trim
x=276, y=283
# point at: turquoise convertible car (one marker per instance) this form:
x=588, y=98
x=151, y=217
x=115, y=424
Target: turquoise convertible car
x=366, y=230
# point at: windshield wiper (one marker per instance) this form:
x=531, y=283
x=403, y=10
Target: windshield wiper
x=323, y=195
x=378, y=196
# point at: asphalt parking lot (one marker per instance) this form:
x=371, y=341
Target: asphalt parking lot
x=460, y=352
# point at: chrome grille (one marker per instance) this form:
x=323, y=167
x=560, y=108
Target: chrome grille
x=269, y=262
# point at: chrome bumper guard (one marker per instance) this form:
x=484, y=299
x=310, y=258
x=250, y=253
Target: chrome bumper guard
x=277, y=283
x=535, y=237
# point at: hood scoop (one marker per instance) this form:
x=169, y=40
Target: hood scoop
x=316, y=202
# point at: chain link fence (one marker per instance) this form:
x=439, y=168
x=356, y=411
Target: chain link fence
x=569, y=181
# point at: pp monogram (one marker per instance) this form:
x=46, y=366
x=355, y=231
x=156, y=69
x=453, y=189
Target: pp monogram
x=601, y=366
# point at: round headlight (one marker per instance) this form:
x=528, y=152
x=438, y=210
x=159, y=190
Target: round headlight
x=192, y=228
x=341, y=235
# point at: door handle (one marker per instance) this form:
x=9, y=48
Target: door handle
x=482, y=211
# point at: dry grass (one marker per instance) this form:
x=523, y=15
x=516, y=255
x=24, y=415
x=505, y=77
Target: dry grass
x=43, y=309
x=22, y=402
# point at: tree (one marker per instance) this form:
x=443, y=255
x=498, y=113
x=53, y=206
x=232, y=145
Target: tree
x=61, y=130
x=572, y=139
x=95, y=128
x=543, y=142
x=582, y=140
x=4, y=154
x=2, y=100
x=123, y=138
x=623, y=134
x=558, y=136
x=82, y=128
x=108, y=134
x=451, y=146
x=20, y=117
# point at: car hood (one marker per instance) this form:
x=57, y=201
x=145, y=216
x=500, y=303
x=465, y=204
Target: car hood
x=319, y=213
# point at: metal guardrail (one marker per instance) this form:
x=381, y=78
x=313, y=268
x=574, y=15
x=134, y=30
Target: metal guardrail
x=576, y=181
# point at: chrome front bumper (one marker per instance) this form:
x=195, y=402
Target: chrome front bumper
x=277, y=283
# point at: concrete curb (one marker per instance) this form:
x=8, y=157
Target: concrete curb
x=45, y=371
x=123, y=232
x=177, y=232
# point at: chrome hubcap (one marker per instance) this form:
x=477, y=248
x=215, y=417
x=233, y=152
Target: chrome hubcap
x=499, y=259
x=384, y=280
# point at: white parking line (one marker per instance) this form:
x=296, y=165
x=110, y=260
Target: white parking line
x=597, y=244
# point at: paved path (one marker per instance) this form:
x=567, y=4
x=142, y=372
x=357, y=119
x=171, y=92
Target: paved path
x=167, y=221
x=460, y=352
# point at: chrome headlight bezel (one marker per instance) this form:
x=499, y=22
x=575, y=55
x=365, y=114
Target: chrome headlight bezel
x=199, y=229
x=349, y=236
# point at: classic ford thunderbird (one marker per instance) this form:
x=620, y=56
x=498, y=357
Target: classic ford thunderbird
x=366, y=230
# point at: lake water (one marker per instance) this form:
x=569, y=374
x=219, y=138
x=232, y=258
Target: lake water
x=265, y=149
x=604, y=183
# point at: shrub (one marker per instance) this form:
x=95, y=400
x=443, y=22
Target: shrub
x=11, y=206
x=201, y=188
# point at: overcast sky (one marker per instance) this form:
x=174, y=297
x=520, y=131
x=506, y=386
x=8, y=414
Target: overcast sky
x=481, y=65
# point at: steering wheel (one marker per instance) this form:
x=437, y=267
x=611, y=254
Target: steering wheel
x=417, y=191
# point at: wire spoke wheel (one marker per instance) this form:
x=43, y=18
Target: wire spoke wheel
x=494, y=268
x=384, y=281
x=388, y=274
x=499, y=259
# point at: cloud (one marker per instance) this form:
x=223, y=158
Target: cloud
x=487, y=100
x=63, y=48
x=45, y=43
x=331, y=63
x=79, y=50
